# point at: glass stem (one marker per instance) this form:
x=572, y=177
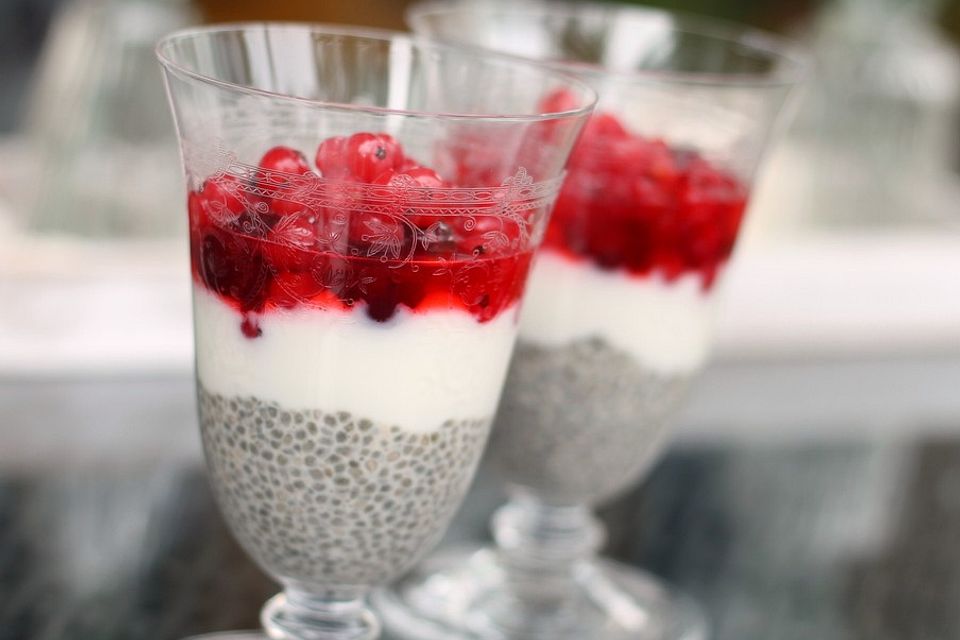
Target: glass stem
x=299, y=613
x=540, y=547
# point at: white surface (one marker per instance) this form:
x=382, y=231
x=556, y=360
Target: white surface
x=79, y=307
x=415, y=370
x=815, y=400
x=664, y=326
x=843, y=297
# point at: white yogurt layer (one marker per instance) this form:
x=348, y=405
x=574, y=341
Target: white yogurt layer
x=664, y=325
x=414, y=371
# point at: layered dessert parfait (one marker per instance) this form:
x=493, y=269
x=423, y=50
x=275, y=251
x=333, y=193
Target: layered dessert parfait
x=618, y=313
x=353, y=330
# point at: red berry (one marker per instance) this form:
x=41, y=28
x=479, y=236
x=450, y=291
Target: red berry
x=285, y=160
x=417, y=177
x=233, y=266
x=222, y=199
x=603, y=147
x=331, y=158
x=661, y=164
x=472, y=284
x=482, y=235
x=250, y=327
x=633, y=158
x=380, y=235
x=278, y=170
x=291, y=245
x=557, y=101
x=389, y=176
x=426, y=177
x=436, y=236
x=368, y=155
x=603, y=126
x=256, y=224
x=421, y=177
x=539, y=137
x=705, y=184
x=381, y=291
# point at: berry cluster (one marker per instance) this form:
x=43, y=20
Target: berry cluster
x=260, y=244
x=637, y=204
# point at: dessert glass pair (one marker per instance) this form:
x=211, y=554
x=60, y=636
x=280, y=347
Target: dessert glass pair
x=363, y=212
x=618, y=314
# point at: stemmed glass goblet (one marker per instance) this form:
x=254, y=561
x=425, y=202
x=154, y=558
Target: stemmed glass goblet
x=618, y=316
x=363, y=209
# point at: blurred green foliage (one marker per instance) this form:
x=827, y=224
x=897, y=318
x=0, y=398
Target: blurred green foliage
x=950, y=19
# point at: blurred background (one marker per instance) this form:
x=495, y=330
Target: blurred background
x=815, y=487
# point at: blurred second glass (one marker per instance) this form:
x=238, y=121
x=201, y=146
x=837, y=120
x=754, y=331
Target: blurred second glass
x=97, y=118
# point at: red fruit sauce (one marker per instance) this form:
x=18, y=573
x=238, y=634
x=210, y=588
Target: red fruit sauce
x=636, y=204
x=628, y=203
x=281, y=251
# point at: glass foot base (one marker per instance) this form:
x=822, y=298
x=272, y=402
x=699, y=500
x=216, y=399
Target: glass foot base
x=458, y=595
x=230, y=635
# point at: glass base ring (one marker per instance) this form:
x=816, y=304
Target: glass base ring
x=458, y=595
x=230, y=635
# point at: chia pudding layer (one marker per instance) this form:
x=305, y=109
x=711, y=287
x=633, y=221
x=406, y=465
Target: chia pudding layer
x=331, y=497
x=580, y=422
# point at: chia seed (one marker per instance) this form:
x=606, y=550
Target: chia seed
x=581, y=422
x=326, y=514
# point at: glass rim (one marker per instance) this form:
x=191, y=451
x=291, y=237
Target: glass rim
x=484, y=56
x=771, y=46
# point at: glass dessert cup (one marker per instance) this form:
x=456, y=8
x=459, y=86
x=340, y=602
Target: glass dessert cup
x=363, y=210
x=617, y=318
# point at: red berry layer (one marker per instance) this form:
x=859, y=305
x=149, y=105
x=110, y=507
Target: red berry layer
x=636, y=204
x=263, y=252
